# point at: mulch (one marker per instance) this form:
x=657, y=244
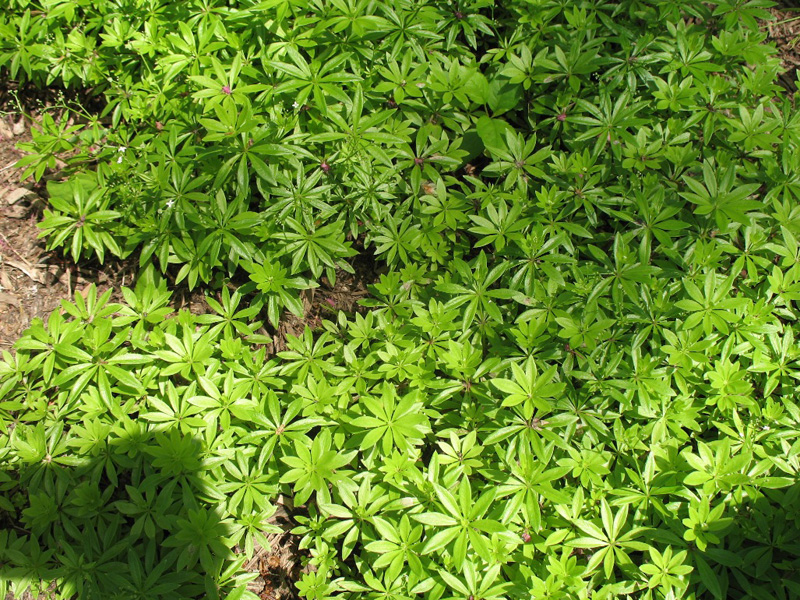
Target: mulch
x=325, y=301
x=279, y=565
x=784, y=32
x=32, y=281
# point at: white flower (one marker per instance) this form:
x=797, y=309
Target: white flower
x=170, y=203
x=765, y=428
x=119, y=160
x=121, y=149
x=295, y=105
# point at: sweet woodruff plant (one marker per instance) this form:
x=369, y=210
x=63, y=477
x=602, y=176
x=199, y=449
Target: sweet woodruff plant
x=574, y=375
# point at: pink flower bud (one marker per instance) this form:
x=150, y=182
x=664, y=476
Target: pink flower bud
x=526, y=537
x=562, y=117
x=325, y=167
x=226, y=90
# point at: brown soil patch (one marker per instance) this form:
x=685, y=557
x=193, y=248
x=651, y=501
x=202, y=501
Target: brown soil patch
x=29, y=284
x=33, y=281
x=278, y=566
x=49, y=594
x=784, y=32
x=325, y=301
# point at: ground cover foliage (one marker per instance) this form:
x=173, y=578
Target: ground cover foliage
x=577, y=375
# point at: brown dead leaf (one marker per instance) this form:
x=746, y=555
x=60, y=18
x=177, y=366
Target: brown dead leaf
x=285, y=501
x=5, y=280
x=15, y=195
x=9, y=299
x=19, y=127
x=29, y=270
x=15, y=211
x=5, y=130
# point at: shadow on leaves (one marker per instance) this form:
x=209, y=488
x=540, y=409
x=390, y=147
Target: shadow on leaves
x=136, y=520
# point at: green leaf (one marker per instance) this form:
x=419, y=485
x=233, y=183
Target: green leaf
x=492, y=133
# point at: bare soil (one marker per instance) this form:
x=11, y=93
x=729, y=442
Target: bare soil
x=325, y=301
x=784, y=32
x=279, y=565
x=32, y=281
